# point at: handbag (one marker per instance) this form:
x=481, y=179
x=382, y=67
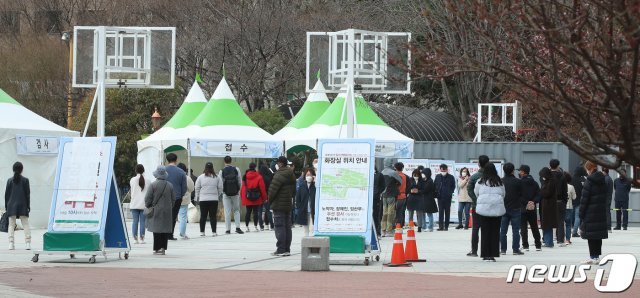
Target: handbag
x=4, y=223
x=148, y=212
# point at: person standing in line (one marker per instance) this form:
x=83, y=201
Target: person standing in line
x=593, y=212
x=475, y=231
x=513, y=202
x=160, y=199
x=208, y=192
x=609, y=183
x=579, y=177
x=445, y=186
x=622, y=187
x=415, y=199
x=178, y=179
x=378, y=187
x=401, y=199
x=266, y=218
x=138, y=192
x=392, y=182
x=561, y=200
x=568, y=216
x=429, y=198
x=231, y=184
x=17, y=202
x=253, y=194
x=548, y=206
x=281, y=191
x=184, y=206
x=306, y=201
x=464, y=201
x=490, y=192
x=193, y=193
x=529, y=216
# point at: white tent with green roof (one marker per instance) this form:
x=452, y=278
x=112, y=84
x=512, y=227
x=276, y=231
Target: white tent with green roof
x=33, y=140
x=367, y=125
x=315, y=105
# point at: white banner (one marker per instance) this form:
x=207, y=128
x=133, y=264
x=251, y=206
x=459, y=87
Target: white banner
x=82, y=184
x=345, y=188
x=36, y=145
x=394, y=149
x=236, y=149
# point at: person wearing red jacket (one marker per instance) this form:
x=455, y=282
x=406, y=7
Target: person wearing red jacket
x=253, y=194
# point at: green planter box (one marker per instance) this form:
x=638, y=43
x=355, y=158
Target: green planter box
x=71, y=241
x=346, y=244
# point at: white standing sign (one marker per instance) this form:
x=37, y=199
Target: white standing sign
x=345, y=189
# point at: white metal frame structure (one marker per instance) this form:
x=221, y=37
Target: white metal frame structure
x=502, y=110
x=115, y=57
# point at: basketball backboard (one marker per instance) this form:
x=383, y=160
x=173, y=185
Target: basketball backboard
x=133, y=57
x=380, y=61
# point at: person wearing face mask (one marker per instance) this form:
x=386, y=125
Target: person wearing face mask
x=415, y=199
x=464, y=201
x=622, y=187
x=548, y=206
x=305, y=200
x=531, y=197
x=430, y=206
x=445, y=186
x=401, y=199
x=593, y=212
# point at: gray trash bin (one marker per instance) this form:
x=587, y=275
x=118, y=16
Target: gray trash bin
x=315, y=254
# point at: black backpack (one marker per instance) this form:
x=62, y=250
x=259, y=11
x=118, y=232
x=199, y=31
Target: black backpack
x=253, y=194
x=230, y=185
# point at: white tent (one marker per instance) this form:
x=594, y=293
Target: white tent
x=31, y=139
x=333, y=125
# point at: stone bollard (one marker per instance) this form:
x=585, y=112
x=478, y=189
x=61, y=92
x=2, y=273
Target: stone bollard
x=315, y=254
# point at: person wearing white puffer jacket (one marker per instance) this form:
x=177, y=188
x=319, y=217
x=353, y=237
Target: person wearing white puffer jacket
x=490, y=208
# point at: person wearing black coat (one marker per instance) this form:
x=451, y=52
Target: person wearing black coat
x=593, y=212
x=622, y=186
x=415, y=198
x=513, y=202
x=17, y=202
x=445, y=187
x=562, y=195
x=430, y=206
x=378, y=187
x=578, y=179
x=530, y=194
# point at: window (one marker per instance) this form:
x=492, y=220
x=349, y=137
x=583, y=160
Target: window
x=9, y=22
x=49, y=21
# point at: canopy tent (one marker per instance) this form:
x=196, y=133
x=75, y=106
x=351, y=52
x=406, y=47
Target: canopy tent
x=221, y=128
x=315, y=105
x=333, y=125
x=33, y=140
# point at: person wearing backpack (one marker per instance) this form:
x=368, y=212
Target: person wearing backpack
x=231, y=183
x=253, y=194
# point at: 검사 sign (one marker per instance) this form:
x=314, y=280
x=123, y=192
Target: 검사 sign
x=36, y=145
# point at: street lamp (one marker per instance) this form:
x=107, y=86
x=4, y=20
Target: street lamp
x=155, y=119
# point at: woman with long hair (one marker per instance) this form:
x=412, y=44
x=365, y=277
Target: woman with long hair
x=593, y=212
x=208, y=190
x=138, y=192
x=429, y=199
x=415, y=199
x=305, y=200
x=17, y=201
x=490, y=208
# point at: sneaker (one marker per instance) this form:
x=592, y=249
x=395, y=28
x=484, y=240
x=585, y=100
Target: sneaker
x=625, y=228
x=202, y=234
x=617, y=228
x=459, y=227
x=262, y=228
x=215, y=234
x=278, y=254
x=486, y=259
x=286, y=254
x=492, y=259
x=185, y=237
x=239, y=231
x=430, y=230
x=27, y=246
x=440, y=229
x=568, y=242
x=547, y=246
x=11, y=246
x=525, y=248
x=538, y=248
x=590, y=262
x=466, y=228
x=472, y=254
x=173, y=238
x=256, y=228
x=446, y=229
x=161, y=252
x=136, y=241
x=228, y=232
x=518, y=253
x=142, y=240
x=575, y=235
x=503, y=253
x=562, y=245
x=247, y=229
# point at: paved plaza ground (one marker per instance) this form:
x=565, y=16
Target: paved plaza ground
x=241, y=265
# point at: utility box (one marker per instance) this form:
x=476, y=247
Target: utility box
x=315, y=254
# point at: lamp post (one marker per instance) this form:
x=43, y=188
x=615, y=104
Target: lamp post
x=67, y=37
x=155, y=119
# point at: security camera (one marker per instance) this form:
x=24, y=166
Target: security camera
x=65, y=36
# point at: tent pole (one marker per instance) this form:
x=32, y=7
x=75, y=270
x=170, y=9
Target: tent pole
x=93, y=105
x=188, y=157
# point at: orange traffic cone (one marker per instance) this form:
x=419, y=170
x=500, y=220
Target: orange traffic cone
x=471, y=218
x=397, y=255
x=411, y=250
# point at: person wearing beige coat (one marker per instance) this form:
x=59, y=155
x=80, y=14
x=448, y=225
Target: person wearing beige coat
x=464, y=201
